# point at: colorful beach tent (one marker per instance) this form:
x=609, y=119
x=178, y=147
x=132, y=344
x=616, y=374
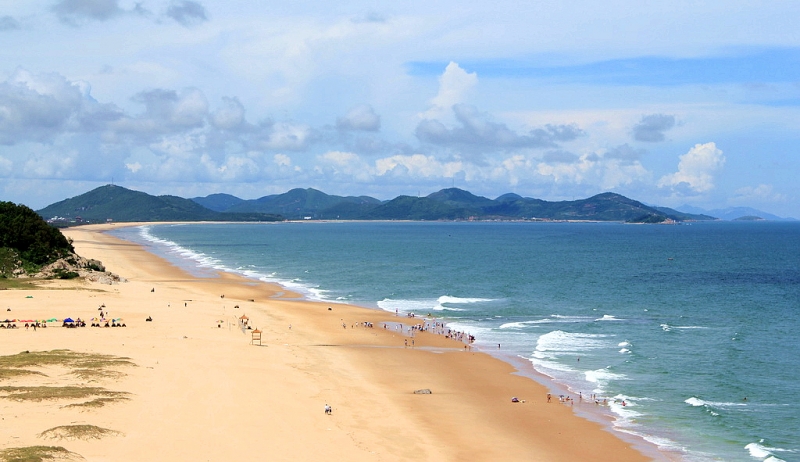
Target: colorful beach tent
x=68, y=320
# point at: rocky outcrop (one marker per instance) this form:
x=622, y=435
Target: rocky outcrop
x=74, y=266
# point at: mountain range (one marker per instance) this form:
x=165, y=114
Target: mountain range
x=115, y=203
x=735, y=213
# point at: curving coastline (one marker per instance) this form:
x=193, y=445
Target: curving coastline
x=202, y=391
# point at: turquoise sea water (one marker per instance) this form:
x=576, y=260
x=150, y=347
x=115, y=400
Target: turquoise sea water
x=681, y=322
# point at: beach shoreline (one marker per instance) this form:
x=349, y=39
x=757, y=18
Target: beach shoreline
x=213, y=392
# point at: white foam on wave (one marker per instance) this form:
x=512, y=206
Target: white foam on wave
x=564, y=318
x=523, y=324
x=609, y=317
x=624, y=350
x=200, y=258
x=559, y=341
x=689, y=327
x=414, y=306
x=694, y=401
x=758, y=451
x=624, y=344
x=454, y=300
x=625, y=412
x=601, y=378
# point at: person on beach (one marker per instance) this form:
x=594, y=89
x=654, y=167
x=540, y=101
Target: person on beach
x=328, y=409
x=548, y=397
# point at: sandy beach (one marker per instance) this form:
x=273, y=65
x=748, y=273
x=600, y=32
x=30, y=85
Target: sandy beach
x=199, y=389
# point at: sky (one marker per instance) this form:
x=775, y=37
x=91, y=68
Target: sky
x=669, y=103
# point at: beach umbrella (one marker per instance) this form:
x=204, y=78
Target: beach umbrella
x=68, y=320
x=52, y=320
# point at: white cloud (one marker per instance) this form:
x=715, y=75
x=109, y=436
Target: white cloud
x=361, y=117
x=417, y=165
x=282, y=160
x=696, y=169
x=230, y=115
x=760, y=193
x=288, y=136
x=454, y=85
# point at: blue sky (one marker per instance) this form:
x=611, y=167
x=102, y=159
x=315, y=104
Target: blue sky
x=669, y=103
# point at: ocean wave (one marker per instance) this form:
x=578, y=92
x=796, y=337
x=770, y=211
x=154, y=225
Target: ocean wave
x=570, y=342
x=760, y=451
x=200, y=258
x=694, y=401
x=454, y=300
x=601, y=378
x=608, y=317
x=414, y=306
x=523, y=324
x=428, y=304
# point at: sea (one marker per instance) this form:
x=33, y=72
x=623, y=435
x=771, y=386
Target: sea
x=693, y=326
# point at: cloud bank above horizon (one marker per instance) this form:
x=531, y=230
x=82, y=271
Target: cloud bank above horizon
x=697, y=104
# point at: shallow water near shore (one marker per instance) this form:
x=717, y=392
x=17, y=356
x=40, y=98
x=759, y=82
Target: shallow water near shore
x=682, y=322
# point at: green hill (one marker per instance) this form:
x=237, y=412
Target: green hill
x=26, y=240
x=115, y=203
x=299, y=203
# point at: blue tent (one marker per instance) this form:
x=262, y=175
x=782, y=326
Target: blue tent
x=68, y=320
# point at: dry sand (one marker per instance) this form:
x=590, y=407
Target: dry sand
x=203, y=392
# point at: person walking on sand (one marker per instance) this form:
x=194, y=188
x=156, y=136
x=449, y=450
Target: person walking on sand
x=328, y=410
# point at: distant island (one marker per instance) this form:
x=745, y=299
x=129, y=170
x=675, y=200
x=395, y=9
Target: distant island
x=118, y=204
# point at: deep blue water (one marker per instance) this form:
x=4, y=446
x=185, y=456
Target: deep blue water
x=681, y=322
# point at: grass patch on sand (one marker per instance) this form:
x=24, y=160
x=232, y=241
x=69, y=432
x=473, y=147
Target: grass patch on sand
x=79, y=432
x=11, y=373
x=47, y=393
x=86, y=366
x=15, y=284
x=97, y=402
x=37, y=454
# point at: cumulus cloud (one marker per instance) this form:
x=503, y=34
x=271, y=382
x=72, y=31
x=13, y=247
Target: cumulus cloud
x=362, y=118
x=624, y=153
x=454, y=84
x=187, y=12
x=760, y=193
x=560, y=157
x=652, y=127
x=8, y=23
x=287, y=136
x=417, y=166
x=230, y=116
x=476, y=132
x=36, y=107
x=695, y=170
x=78, y=11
